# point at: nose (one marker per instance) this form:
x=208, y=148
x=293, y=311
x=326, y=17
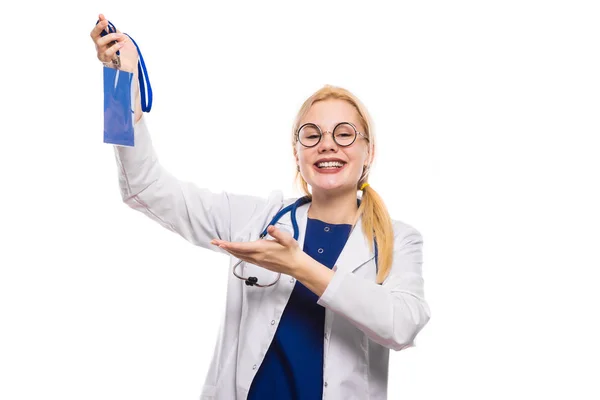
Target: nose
x=327, y=142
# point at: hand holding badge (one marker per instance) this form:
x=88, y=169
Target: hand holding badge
x=122, y=61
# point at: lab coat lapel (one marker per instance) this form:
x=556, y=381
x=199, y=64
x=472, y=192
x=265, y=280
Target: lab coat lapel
x=356, y=251
x=354, y=255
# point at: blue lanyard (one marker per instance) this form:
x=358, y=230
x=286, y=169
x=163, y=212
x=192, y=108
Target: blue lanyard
x=142, y=71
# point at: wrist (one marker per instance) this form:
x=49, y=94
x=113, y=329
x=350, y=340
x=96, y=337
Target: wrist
x=301, y=263
x=314, y=275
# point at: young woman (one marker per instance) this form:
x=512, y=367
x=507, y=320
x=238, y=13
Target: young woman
x=321, y=287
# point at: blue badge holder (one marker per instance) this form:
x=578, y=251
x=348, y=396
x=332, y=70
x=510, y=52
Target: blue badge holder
x=119, y=97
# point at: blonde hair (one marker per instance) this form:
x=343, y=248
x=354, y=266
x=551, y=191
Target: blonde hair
x=376, y=221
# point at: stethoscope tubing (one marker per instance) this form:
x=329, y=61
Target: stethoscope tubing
x=252, y=280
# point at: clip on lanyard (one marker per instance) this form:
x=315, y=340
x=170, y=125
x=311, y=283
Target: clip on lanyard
x=142, y=71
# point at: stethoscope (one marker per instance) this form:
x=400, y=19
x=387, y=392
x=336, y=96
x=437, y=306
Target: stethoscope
x=253, y=280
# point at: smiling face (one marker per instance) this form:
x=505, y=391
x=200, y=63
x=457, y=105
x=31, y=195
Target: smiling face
x=343, y=165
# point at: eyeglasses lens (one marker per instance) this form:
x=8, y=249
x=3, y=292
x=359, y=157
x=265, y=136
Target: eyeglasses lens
x=344, y=135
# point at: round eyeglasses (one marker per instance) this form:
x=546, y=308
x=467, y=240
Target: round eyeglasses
x=344, y=134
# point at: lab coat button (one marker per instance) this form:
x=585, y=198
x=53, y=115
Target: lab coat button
x=320, y=251
x=254, y=366
x=325, y=384
x=273, y=322
x=292, y=280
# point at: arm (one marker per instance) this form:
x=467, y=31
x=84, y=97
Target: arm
x=314, y=275
x=391, y=314
x=196, y=214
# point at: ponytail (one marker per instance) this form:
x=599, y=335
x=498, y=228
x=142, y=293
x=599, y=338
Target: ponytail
x=377, y=225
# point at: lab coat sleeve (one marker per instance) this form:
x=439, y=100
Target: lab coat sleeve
x=197, y=214
x=391, y=314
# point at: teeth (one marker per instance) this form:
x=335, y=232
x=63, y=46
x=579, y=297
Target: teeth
x=330, y=164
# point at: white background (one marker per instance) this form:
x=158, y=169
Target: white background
x=487, y=122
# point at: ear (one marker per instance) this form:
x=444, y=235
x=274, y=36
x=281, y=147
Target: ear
x=371, y=154
x=296, y=157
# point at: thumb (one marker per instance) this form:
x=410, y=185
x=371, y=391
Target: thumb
x=281, y=236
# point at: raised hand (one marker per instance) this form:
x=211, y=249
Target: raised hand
x=108, y=45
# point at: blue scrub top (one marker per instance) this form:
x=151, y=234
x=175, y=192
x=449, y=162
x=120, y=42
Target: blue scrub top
x=293, y=365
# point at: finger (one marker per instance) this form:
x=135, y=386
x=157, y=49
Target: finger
x=236, y=254
x=109, y=54
x=242, y=248
x=110, y=38
x=218, y=242
x=100, y=26
x=282, y=237
x=103, y=18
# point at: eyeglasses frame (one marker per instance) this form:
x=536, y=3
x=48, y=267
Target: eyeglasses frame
x=321, y=134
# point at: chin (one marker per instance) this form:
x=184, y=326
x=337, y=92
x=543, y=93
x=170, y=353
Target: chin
x=333, y=183
x=331, y=187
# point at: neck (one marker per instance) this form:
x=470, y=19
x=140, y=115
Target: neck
x=334, y=208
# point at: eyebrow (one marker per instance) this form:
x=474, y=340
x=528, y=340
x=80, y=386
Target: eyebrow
x=334, y=125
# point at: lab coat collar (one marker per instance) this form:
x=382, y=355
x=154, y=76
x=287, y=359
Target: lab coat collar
x=355, y=252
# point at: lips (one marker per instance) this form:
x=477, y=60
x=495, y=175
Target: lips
x=329, y=170
x=329, y=162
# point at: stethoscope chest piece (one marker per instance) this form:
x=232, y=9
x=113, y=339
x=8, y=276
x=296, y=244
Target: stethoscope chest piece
x=251, y=281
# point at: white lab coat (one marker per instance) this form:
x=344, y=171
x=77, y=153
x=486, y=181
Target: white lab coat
x=363, y=320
